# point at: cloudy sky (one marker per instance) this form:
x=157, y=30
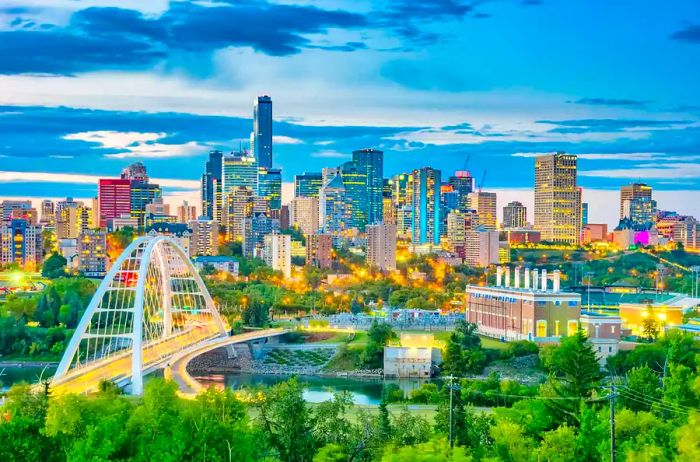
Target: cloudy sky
x=87, y=87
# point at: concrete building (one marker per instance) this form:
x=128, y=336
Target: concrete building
x=29, y=215
x=304, y=214
x=381, y=246
x=205, y=237
x=219, y=262
x=415, y=356
x=72, y=218
x=481, y=247
x=603, y=332
x=484, y=203
x=458, y=223
x=178, y=232
x=514, y=215
x=278, y=253
x=238, y=206
x=186, y=213
x=524, y=306
x=21, y=243
x=255, y=229
x=594, y=232
x=92, y=253
x=557, y=198
x=123, y=221
x=319, y=250
x=158, y=207
x=7, y=206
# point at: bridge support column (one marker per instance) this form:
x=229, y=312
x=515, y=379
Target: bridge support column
x=231, y=351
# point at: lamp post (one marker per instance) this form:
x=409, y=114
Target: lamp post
x=694, y=282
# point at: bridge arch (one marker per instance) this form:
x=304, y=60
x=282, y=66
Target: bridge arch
x=151, y=305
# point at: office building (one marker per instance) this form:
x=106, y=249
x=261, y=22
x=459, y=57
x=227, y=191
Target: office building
x=388, y=209
x=514, y=215
x=631, y=192
x=212, y=193
x=186, y=213
x=308, y=184
x=557, y=198
x=92, y=253
x=524, y=308
x=333, y=212
x=205, y=236
x=278, y=253
x=72, y=219
x=462, y=183
x=354, y=177
x=135, y=172
x=255, y=229
x=484, y=203
x=238, y=206
x=641, y=210
x=594, y=232
x=522, y=236
x=178, y=232
x=21, y=243
x=113, y=199
x=371, y=161
x=262, y=131
x=283, y=215
x=123, y=221
x=481, y=247
x=404, y=222
x=426, y=220
x=30, y=215
x=158, y=207
x=381, y=246
x=219, y=263
x=584, y=213
x=303, y=214
x=270, y=186
x=143, y=194
x=239, y=171
x=319, y=250
x=458, y=223
x=7, y=206
x=48, y=213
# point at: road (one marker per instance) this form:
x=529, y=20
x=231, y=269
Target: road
x=177, y=368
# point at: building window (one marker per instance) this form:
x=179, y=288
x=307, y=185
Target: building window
x=541, y=328
x=572, y=327
x=612, y=329
x=556, y=328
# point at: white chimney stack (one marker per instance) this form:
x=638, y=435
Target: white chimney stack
x=516, y=282
x=507, y=276
x=557, y=280
x=544, y=280
x=499, y=276
x=535, y=278
x=526, y=279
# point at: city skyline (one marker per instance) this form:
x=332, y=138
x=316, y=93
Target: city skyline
x=167, y=105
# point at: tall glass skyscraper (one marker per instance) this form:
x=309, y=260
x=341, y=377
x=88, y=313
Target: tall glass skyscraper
x=211, y=186
x=426, y=220
x=308, y=184
x=262, y=131
x=239, y=170
x=270, y=186
x=463, y=183
x=355, y=182
x=371, y=162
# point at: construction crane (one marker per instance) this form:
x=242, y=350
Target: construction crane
x=466, y=162
x=483, y=179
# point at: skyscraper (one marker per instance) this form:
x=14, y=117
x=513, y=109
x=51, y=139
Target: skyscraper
x=426, y=221
x=557, y=198
x=333, y=214
x=270, y=186
x=20, y=242
x=255, y=229
x=277, y=253
x=113, y=199
x=142, y=194
x=212, y=199
x=514, y=215
x=262, y=131
x=72, y=218
x=354, y=178
x=636, y=203
x=319, y=250
x=7, y=206
x=239, y=206
x=462, y=183
x=484, y=203
x=381, y=246
x=303, y=213
x=308, y=184
x=48, y=212
x=371, y=161
x=205, y=234
x=239, y=170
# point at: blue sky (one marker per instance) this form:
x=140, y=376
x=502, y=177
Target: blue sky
x=88, y=86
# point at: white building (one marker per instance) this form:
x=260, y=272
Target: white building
x=304, y=214
x=205, y=237
x=480, y=247
x=278, y=253
x=220, y=263
x=381, y=246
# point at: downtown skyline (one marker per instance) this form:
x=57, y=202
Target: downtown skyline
x=629, y=111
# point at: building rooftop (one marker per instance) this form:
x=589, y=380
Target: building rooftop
x=214, y=259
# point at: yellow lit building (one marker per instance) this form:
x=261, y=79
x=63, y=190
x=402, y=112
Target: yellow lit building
x=557, y=198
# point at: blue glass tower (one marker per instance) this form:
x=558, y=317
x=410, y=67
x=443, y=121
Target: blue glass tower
x=371, y=163
x=262, y=131
x=426, y=221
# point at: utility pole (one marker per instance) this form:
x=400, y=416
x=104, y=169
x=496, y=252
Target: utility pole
x=452, y=443
x=612, y=397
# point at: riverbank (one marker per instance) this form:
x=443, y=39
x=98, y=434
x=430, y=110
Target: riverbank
x=21, y=363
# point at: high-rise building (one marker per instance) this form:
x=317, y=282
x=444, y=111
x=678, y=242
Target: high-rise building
x=333, y=211
x=319, y=250
x=630, y=192
x=514, y=215
x=20, y=243
x=92, y=253
x=381, y=246
x=255, y=229
x=584, y=213
x=557, y=198
x=205, y=237
x=270, y=186
x=462, y=183
x=72, y=219
x=186, y=212
x=425, y=228
x=278, y=253
x=402, y=189
x=143, y=194
x=481, y=247
x=238, y=207
x=458, y=223
x=485, y=205
x=29, y=215
x=135, y=172
x=7, y=206
x=158, y=207
x=404, y=222
x=308, y=184
x=113, y=198
x=641, y=211
x=212, y=198
x=388, y=209
x=354, y=178
x=371, y=162
x=48, y=213
x=262, y=131
x=239, y=171
x=283, y=215
x=303, y=214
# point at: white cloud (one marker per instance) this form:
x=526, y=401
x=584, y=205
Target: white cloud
x=136, y=144
x=48, y=177
x=330, y=154
x=638, y=156
x=651, y=171
x=323, y=142
x=59, y=156
x=281, y=139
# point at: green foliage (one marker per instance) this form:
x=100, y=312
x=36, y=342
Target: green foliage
x=520, y=348
x=642, y=383
x=372, y=357
x=54, y=266
x=463, y=352
x=431, y=451
x=255, y=314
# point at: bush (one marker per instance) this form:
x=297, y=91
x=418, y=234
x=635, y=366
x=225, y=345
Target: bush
x=427, y=394
x=520, y=348
x=393, y=393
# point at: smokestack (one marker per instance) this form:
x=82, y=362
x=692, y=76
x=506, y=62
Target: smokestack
x=499, y=276
x=544, y=280
x=557, y=280
x=507, y=276
x=526, y=279
x=535, y=278
x=516, y=282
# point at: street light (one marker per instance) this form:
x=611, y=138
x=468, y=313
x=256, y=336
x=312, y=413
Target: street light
x=694, y=282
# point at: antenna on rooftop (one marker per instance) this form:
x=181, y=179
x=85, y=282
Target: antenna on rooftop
x=483, y=180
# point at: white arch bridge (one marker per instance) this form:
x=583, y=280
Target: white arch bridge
x=150, y=309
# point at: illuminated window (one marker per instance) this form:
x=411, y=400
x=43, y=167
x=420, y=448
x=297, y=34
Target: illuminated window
x=556, y=328
x=541, y=328
x=572, y=327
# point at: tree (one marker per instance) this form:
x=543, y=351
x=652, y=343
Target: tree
x=642, y=387
x=409, y=429
x=558, y=445
x=21, y=428
x=431, y=451
x=510, y=443
x=255, y=313
x=651, y=327
x=54, y=266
